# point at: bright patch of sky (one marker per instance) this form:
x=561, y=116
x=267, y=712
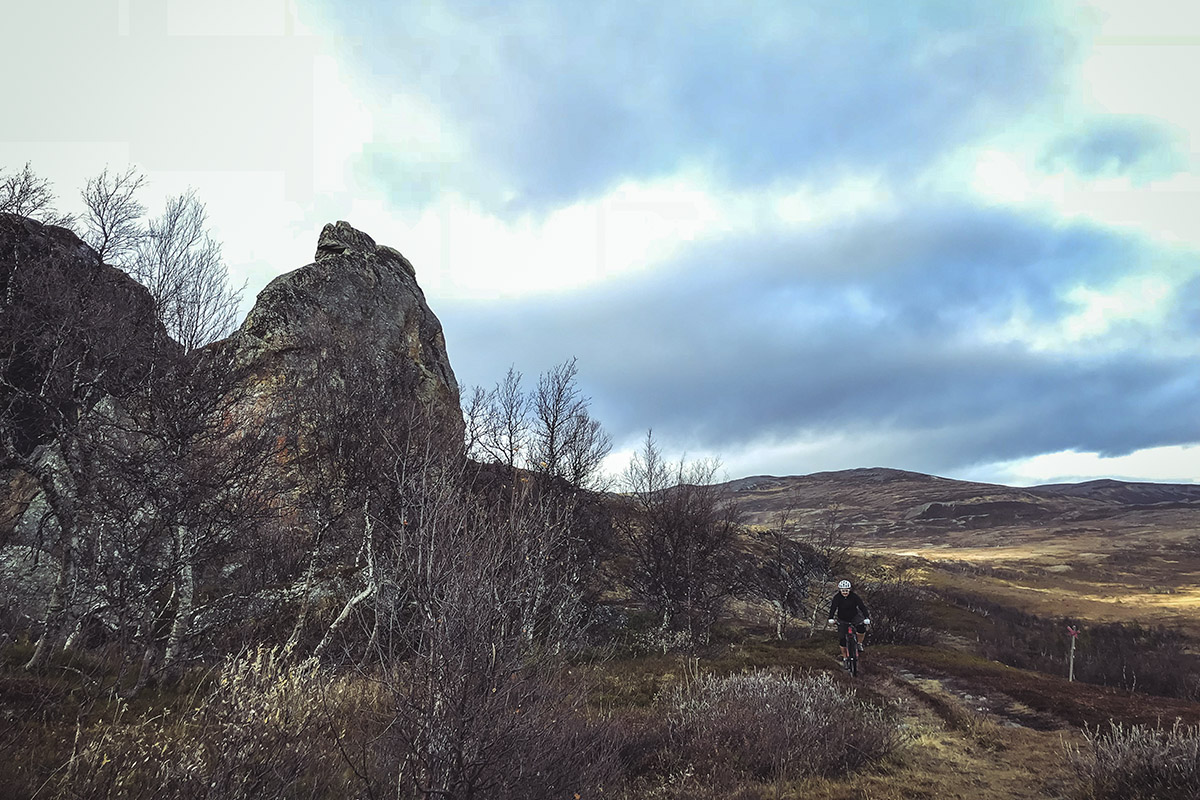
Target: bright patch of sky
x=949, y=237
x=1169, y=464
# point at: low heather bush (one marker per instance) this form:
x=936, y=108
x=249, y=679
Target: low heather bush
x=1139, y=762
x=767, y=726
x=529, y=736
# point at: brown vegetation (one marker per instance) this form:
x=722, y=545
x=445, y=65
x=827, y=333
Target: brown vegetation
x=1135, y=762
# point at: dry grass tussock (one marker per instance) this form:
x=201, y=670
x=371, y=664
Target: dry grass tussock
x=1139, y=762
x=267, y=728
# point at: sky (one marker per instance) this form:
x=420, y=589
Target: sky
x=957, y=238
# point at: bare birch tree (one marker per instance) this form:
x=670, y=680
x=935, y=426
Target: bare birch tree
x=507, y=430
x=112, y=222
x=29, y=195
x=566, y=443
x=681, y=530
x=145, y=474
x=549, y=432
x=73, y=334
x=785, y=574
x=180, y=263
x=830, y=543
x=481, y=621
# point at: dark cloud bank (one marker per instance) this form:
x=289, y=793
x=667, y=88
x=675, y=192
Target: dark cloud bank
x=880, y=328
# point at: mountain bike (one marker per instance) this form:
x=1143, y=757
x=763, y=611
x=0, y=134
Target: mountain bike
x=852, y=645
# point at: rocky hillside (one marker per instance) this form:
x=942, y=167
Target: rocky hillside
x=73, y=331
x=149, y=493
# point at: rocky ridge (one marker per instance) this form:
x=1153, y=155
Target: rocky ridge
x=357, y=297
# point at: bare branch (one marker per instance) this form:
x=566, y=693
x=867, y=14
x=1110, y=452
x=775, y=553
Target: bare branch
x=28, y=195
x=112, y=223
x=180, y=263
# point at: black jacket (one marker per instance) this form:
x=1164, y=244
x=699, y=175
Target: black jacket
x=844, y=608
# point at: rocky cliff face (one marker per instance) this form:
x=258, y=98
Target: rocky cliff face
x=362, y=300
x=142, y=482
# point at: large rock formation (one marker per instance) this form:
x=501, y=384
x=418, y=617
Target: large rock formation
x=142, y=482
x=361, y=300
x=77, y=335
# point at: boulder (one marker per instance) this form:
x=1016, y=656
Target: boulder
x=361, y=298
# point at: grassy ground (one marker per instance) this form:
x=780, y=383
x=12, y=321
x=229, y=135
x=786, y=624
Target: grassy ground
x=971, y=728
x=953, y=747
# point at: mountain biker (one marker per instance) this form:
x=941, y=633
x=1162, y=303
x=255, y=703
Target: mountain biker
x=844, y=609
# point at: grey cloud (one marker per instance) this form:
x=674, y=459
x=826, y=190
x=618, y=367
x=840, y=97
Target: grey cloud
x=753, y=341
x=561, y=100
x=1141, y=147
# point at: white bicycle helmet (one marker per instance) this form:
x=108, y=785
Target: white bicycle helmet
x=843, y=585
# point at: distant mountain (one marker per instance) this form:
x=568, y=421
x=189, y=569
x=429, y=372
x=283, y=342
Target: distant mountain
x=1126, y=493
x=890, y=503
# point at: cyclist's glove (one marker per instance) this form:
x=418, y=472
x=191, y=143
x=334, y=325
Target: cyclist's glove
x=831, y=621
x=866, y=622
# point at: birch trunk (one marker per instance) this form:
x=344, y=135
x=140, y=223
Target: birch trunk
x=185, y=592
x=370, y=589
x=55, y=480
x=310, y=573
x=144, y=635
x=56, y=612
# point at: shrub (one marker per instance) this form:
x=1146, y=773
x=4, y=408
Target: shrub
x=526, y=737
x=1139, y=762
x=273, y=729
x=766, y=726
x=659, y=640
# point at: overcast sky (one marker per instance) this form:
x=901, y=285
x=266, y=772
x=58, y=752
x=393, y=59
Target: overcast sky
x=953, y=237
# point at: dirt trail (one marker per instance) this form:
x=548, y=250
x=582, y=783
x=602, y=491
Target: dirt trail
x=981, y=745
x=959, y=745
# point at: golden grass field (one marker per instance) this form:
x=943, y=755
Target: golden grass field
x=1083, y=556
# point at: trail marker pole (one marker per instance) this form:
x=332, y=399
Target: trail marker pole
x=1074, y=632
